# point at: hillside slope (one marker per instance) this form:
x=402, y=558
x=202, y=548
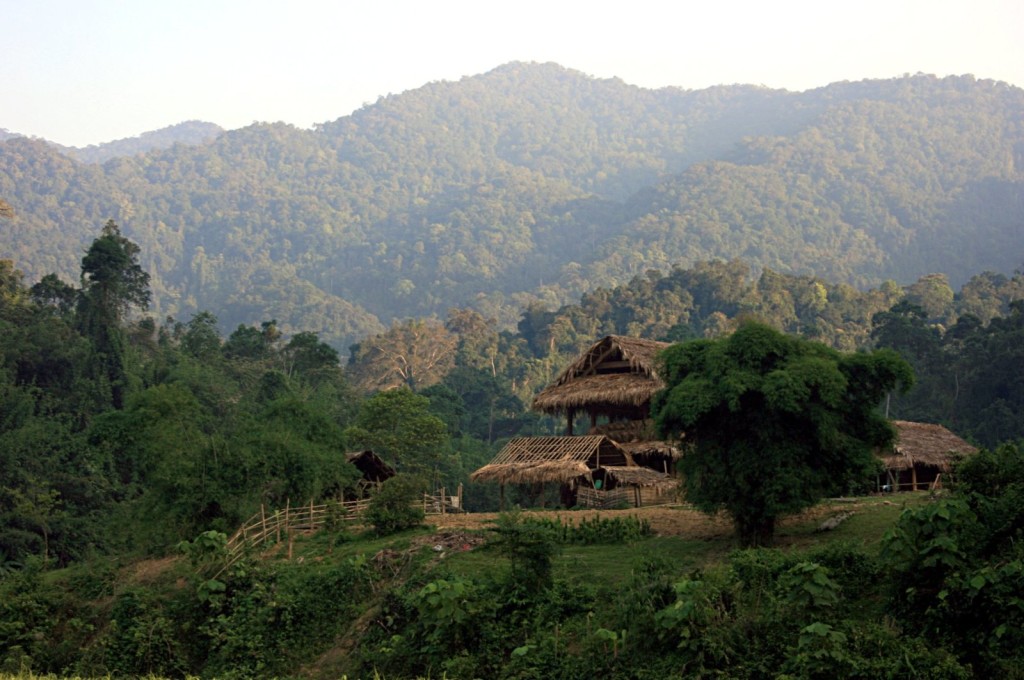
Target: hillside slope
x=537, y=183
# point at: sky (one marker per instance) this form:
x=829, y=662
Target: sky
x=82, y=72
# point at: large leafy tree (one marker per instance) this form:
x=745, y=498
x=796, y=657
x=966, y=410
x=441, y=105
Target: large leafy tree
x=399, y=426
x=112, y=283
x=773, y=422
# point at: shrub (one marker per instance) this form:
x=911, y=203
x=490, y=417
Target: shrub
x=394, y=507
x=529, y=546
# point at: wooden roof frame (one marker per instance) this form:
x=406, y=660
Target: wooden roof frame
x=526, y=460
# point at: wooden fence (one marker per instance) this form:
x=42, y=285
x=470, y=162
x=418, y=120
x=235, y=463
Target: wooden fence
x=266, y=527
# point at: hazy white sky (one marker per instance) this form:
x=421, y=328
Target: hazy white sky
x=82, y=72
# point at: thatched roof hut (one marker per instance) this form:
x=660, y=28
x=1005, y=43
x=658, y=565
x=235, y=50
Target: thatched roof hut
x=926, y=445
x=616, y=377
x=633, y=475
x=611, y=485
x=370, y=465
x=921, y=453
x=526, y=460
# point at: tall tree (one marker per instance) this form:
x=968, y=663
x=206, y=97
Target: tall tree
x=773, y=422
x=112, y=283
x=415, y=353
x=399, y=426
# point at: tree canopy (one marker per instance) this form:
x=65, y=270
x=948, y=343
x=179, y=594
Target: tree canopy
x=549, y=185
x=772, y=423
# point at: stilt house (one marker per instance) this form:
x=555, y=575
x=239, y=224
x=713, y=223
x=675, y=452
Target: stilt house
x=618, y=460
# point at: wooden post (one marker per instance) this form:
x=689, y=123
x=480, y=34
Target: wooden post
x=913, y=478
x=291, y=543
x=263, y=520
x=312, y=526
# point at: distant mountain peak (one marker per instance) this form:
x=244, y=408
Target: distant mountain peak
x=189, y=133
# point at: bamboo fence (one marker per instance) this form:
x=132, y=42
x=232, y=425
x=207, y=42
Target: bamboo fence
x=269, y=527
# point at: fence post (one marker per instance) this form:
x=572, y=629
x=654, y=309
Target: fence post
x=444, y=500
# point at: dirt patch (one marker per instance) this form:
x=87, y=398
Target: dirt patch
x=450, y=539
x=149, y=571
x=675, y=520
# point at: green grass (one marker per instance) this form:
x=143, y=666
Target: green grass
x=611, y=564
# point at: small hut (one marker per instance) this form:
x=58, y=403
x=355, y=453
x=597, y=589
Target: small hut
x=615, y=379
x=921, y=455
x=374, y=470
x=633, y=485
x=564, y=460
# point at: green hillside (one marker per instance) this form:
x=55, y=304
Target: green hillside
x=657, y=592
x=534, y=183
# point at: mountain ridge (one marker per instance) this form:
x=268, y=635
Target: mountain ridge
x=533, y=183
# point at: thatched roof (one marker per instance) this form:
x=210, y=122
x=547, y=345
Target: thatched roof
x=370, y=464
x=638, y=438
x=633, y=475
x=924, y=444
x=627, y=430
x=616, y=371
x=550, y=459
x=651, y=449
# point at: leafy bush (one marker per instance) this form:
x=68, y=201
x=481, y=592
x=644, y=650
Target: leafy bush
x=394, y=507
x=271, y=618
x=530, y=546
x=596, y=531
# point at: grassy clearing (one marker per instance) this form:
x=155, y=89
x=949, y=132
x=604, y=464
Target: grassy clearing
x=612, y=564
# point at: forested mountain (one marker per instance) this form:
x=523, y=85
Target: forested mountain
x=535, y=184
x=189, y=133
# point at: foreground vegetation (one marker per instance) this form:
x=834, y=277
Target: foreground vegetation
x=121, y=438
x=910, y=586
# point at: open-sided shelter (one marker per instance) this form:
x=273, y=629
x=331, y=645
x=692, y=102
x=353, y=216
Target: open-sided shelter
x=568, y=461
x=921, y=454
x=527, y=460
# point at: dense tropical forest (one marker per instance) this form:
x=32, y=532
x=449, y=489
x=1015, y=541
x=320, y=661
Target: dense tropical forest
x=123, y=436
x=200, y=324
x=535, y=184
